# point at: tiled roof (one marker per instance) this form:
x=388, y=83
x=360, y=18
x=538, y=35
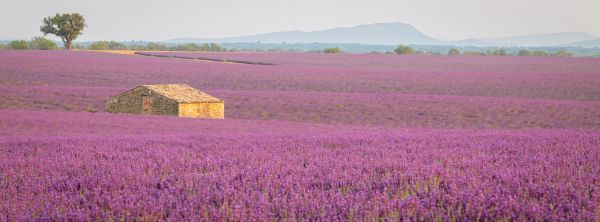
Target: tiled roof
x=182, y=93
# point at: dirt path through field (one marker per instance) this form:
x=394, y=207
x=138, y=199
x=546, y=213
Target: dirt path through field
x=203, y=59
x=129, y=52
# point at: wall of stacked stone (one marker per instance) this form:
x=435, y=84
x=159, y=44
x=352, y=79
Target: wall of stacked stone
x=132, y=102
x=213, y=110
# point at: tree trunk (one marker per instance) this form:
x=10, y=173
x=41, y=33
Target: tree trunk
x=69, y=45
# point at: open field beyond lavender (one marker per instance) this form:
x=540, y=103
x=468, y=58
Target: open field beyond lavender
x=312, y=137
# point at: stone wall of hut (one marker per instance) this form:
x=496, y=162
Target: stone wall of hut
x=213, y=110
x=132, y=102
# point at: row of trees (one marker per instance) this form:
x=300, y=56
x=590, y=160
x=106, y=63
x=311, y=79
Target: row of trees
x=406, y=50
x=525, y=52
x=401, y=50
x=503, y=52
x=40, y=43
x=112, y=45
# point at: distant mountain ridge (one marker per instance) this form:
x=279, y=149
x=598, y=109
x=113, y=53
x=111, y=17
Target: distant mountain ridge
x=552, y=39
x=397, y=33
x=375, y=34
x=595, y=43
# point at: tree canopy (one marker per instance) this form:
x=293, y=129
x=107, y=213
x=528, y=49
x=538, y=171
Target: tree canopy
x=18, y=45
x=404, y=49
x=67, y=26
x=453, y=51
x=42, y=43
x=332, y=50
x=99, y=45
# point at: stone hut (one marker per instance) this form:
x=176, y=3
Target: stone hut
x=168, y=99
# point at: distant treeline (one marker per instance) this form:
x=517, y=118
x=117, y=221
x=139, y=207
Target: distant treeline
x=504, y=52
x=41, y=43
x=407, y=50
x=416, y=49
x=112, y=45
x=403, y=49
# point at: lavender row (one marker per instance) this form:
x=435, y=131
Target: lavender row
x=365, y=109
x=378, y=61
x=549, y=78
x=83, y=166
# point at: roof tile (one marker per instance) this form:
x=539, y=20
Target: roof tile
x=182, y=93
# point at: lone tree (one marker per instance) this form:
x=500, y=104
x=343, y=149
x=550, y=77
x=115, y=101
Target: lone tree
x=453, y=51
x=403, y=50
x=67, y=26
x=332, y=50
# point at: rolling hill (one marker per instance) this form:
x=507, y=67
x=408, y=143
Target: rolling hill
x=554, y=39
x=595, y=43
x=398, y=33
x=376, y=34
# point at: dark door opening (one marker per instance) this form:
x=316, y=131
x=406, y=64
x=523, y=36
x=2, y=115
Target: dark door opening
x=147, y=101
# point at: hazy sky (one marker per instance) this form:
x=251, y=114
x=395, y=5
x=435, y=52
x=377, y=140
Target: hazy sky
x=156, y=20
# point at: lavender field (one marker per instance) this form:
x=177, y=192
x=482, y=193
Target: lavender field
x=312, y=137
